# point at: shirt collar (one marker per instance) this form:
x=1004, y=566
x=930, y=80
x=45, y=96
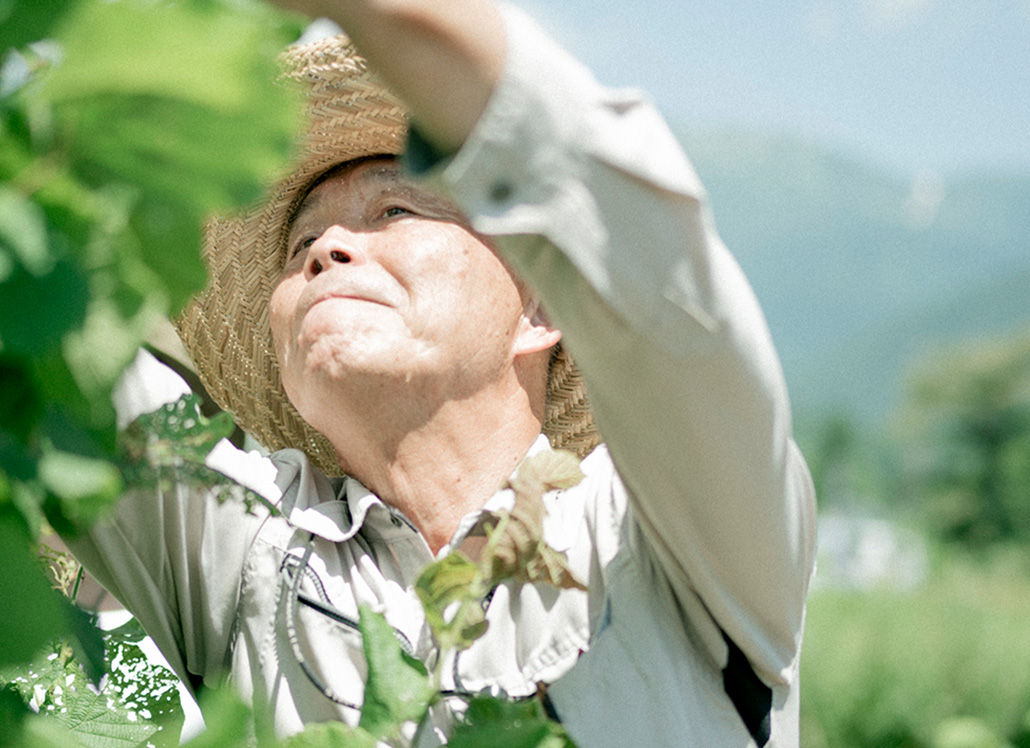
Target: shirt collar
x=338, y=518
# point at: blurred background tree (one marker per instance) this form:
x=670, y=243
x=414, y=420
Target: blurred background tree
x=941, y=660
x=966, y=429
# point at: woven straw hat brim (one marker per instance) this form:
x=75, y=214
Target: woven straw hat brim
x=226, y=329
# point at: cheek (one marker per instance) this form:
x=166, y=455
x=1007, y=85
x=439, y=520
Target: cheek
x=280, y=306
x=464, y=265
x=498, y=288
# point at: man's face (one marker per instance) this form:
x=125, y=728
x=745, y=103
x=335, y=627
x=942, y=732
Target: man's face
x=384, y=278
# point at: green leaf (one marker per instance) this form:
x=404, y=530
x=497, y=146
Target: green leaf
x=491, y=722
x=397, y=689
x=73, y=420
x=23, y=235
x=78, y=626
x=188, y=112
x=41, y=732
x=24, y=499
x=98, y=352
x=75, y=478
x=86, y=641
x=24, y=590
x=173, y=442
x=330, y=735
x=453, y=579
x=90, y=718
x=141, y=687
x=967, y=732
x=170, y=237
x=176, y=431
x=228, y=720
x=25, y=21
x=13, y=713
x=442, y=582
x=130, y=632
x=218, y=54
x=84, y=487
x=20, y=405
x=125, y=713
x=36, y=311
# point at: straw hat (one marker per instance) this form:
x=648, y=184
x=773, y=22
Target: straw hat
x=226, y=329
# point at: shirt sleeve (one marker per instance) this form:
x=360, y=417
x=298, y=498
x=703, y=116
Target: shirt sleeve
x=172, y=554
x=588, y=195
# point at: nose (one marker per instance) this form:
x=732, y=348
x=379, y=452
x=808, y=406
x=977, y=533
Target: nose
x=334, y=246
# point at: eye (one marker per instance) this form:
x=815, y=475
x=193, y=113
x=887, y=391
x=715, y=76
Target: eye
x=396, y=210
x=302, y=245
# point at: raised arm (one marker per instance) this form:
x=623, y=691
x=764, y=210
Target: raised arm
x=587, y=194
x=442, y=58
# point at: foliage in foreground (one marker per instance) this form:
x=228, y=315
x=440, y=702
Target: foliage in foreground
x=123, y=125
x=137, y=704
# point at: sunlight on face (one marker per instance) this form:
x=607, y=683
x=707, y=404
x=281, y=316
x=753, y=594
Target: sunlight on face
x=383, y=279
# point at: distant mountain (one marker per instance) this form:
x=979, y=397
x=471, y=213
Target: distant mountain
x=859, y=269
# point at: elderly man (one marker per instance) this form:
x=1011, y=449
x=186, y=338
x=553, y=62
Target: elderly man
x=411, y=325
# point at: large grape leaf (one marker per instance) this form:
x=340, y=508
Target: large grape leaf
x=398, y=688
x=331, y=735
x=451, y=592
x=38, y=615
x=136, y=704
x=188, y=112
x=172, y=443
x=37, y=310
x=493, y=722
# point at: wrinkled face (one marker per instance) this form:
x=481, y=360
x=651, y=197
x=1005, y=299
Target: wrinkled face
x=383, y=278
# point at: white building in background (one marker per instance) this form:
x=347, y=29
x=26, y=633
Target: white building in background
x=862, y=552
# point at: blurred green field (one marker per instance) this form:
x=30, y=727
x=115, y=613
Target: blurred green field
x=944, y=665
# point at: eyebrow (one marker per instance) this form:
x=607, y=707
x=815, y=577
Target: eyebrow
x=386, y=173
x=390, y=175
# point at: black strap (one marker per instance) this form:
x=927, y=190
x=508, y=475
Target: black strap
x=751, y=697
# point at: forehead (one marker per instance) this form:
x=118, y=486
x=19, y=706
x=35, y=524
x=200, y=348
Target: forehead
x=375, y=170
x=367, y=171
x=369, y=178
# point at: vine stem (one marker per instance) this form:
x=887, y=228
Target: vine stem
x=78, y=581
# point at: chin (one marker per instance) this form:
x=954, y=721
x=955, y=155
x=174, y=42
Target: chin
x=336, y=366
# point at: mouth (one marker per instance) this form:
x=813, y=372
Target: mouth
x=355, y=295
x=349, y=297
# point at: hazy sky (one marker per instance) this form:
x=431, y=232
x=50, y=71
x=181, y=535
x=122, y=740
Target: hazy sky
x=916, y=85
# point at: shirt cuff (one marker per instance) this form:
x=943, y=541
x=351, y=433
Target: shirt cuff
x=515, y=159
x=420, y=157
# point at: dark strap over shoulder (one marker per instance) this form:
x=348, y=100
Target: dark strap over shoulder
x=751, y=697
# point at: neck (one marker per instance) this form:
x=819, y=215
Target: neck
x=438, y=462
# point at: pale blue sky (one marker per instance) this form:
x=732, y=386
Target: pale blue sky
x=914, y=85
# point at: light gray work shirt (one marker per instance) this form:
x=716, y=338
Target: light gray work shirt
x=694, y=527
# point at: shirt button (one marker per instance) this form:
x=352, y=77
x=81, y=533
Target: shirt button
x=500, y=191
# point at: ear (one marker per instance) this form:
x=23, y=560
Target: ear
x=535, y=332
